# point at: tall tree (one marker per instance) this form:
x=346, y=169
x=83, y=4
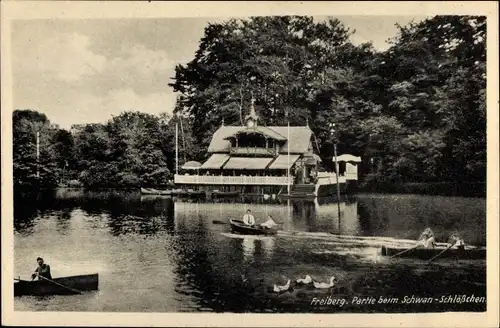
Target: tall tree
x=283, y=62
x=32, y=169
x=436, y=81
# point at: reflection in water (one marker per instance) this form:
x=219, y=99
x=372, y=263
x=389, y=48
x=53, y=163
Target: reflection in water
x=164, y=254
x=268, y=245
x=400, y=216
x=63, y=221
x=248, y=247
x=405, y=216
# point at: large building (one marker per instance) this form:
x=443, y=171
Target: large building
x=261, y=159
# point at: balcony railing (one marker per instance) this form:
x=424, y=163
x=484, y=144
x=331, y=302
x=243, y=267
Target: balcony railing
x=252, y=151
x=331, y=175
x=231, y=180
x=326, y=178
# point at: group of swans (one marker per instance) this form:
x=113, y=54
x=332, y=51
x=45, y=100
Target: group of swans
x=307, y=280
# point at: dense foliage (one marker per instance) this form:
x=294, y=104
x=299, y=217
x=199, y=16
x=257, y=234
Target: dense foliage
x=130, y=150
x=415, y=112
x=28, y=171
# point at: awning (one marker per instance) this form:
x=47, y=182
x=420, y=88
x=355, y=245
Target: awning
x=191, y=165
x=215, y=161
x=247, y=163
x=348, y=158
x=283, y=162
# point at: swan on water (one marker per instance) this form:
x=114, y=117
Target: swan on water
x=278, y=289
x=307, y=280
x=324, y=284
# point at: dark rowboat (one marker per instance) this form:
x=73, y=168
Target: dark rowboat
x=170, y=192
x=307, y=196
x=195, y=193
x=218, y=193
x=428, y=253
x=151, y=191
x=242, y=228
x=44, y=287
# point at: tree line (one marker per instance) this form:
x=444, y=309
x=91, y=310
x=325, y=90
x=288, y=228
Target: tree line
x=415, y=112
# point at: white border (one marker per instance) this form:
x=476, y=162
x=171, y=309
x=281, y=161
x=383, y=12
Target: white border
x=71, y=10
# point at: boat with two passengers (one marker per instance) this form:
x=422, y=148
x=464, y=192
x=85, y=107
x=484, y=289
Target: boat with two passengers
x=467, y=253
x=244, y=229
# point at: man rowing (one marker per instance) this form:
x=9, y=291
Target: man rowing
x=269, y=224
x=42, y=270
x=426, y=239
x=248, y=218
x=456, y=240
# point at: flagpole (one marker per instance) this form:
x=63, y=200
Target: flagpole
x=333, y=134
x=337, y=176
x=288, y=158
x=38, y=154
x=176, y=147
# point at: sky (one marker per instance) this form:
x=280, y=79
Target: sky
x=87, y=70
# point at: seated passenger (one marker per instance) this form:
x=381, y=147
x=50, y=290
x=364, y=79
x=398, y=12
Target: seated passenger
x=248, y=218
x=456, y=240
x=426, y=239
x=269, y=224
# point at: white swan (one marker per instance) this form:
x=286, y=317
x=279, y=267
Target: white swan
x=307, y=280
x=324, y=284
x=278, y=289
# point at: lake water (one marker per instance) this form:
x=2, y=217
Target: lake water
x=167, y=255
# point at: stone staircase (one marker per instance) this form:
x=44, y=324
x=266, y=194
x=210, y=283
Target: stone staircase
x=301, y=190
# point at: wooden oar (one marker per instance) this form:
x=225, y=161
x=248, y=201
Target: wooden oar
x=406, y=250
x=444, y=250
x=61, y=285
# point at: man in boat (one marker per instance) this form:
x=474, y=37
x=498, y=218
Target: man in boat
x=426, y=239
x=456, y=240
x=269, y=224
x=42, y=270
x=248, y=218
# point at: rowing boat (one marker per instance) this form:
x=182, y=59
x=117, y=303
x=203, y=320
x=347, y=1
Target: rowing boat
x=170, y=192
x=242, y=228
x=428, y=253
x=225, y=193
x=151, y=191
x=58, y=286
x=195, y=193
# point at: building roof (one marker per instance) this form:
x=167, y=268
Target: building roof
x=215, y=161
x=259, y=129
x=300, y=137
x=283, y=162
x=248, y=163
